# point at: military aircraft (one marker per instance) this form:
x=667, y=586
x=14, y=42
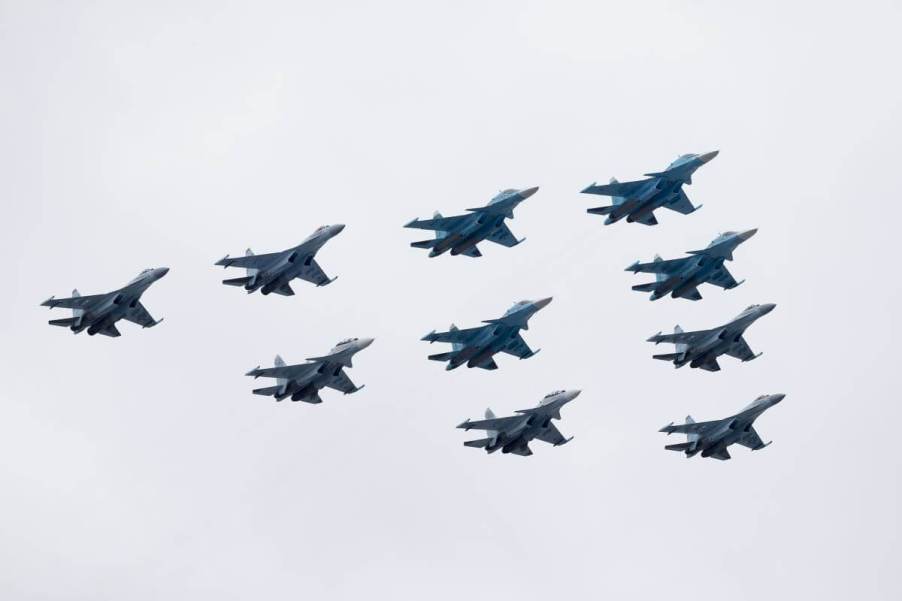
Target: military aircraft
x=681, y=277
x=711, y=439
x=637, y=201
x=476, y=346
x=702, y=348
x=513, y=434
x=461, y=233
x=273, y=272
x=303, y=382
x=98, y=313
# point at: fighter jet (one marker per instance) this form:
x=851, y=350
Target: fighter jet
x=711, y=439
x=681, y=277
x=476, y=346
x=702, y=348
x=273, y=272
x=513, y=434
x=304, y=381
x=637, y=201
x=461, y=233
x=98, y=313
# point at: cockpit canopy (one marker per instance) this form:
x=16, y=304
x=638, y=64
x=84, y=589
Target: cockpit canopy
x=346, y=341
x=682, y=160
x=517, y=306
x=141, y=275
x=551, y=394
x=721, y=237
x=504, y=194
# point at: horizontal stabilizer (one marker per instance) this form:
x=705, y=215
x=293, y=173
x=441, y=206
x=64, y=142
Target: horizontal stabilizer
x=649, y=287
x=442, y=356
x=268, y=391
x=238, y=281
x=601, y=210
x=425, y=243
x=479, y=444
x=683, y=446
x=284, y=290
x=65, y=323
x=668, y=356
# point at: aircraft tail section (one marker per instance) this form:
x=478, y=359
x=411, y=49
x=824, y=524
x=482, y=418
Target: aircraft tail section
x=682, y=446
x=439, y=234
x=479, y=444
x=648, y=287
x=692, y=436
x=77, y=313
x=426, y=243
x=275, y=391
x=279, y=362
x=668, y=356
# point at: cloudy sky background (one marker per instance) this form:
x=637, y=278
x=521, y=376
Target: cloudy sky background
x=171, y=133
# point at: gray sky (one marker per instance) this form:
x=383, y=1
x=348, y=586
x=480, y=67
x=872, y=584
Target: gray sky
x=173, y=133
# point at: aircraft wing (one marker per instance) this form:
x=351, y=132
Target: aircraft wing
x=503, y=236
x=681, y=204
x=751, y=440
x=75, y=302
x=342, y=383
x=740, y=350
x=442, y=224
x=314, y=273
x=498, y=424
x=669, y=266
x=723, y=278
x=462, y=336
x=518, y=348
x=680, y=337
x=694, y=428
x=141, y=316
x=289, y=372
x=250, y=261
x=622, y=189
x=552, y=435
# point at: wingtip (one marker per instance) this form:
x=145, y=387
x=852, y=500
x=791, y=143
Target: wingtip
x=411, y=223
x=666, y=428
x=654, y=338
x=48, y=302
x=464, y=425
x=223, y=261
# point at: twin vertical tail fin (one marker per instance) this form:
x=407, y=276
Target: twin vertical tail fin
x=659, y=277
x=692, y=436
x=439, y=234
x=455, y=346
x=617, y=200
x=681, y=347
x=279, y=362
x=251, y=271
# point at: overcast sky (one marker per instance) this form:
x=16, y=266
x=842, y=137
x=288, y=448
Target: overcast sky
x=138, y=135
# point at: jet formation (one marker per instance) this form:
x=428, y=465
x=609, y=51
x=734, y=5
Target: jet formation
x=273, y=272
x=512, y=434
x=712, y=439
x=703, y=347
x=303, y=382
x=681, y=277
x=637, y=201
x=634, y=201
x=461, y=233
x=98, y=313
x=477, y=346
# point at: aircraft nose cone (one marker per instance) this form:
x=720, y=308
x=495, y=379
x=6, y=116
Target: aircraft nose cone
x=365, y=342
x=748, y=234
x=776, y=398
x=528, y=192
x=572, y=394
x=542, y=302
x=336, y=229
x=704, y=158
x=767, y=308
x=162, y=271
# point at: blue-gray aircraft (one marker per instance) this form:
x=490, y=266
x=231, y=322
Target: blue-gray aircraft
x=513, y=434
x=461, y=233
x=637, y=201
x=476, y=346
x=702, y=348
x=711, y=439
x=98, y=313
x=273, y=272
x=681, y=277
x=303, y=382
